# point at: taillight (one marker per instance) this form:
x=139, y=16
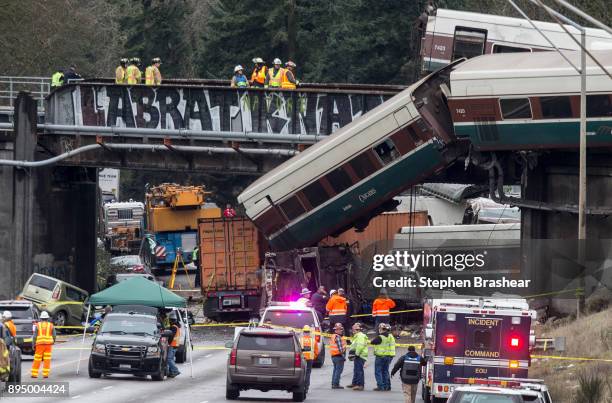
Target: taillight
x=56, y=293
x=233, y=355
x=317, y=334
x=450, y=340
x=515, y=342
x=297, y=361
x=138, y=268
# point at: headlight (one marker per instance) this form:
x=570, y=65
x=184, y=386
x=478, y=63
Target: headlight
x=99, y=348
x=153, y=351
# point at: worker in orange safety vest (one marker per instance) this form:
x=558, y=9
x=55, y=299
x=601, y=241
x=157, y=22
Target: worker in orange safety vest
x=173, y=345
x=310, y=352
x=337, y=308
x=381, y=308
x=43, y=340
x=288, y=80
x=337, y=350
x=260, y=71
x=7, y=320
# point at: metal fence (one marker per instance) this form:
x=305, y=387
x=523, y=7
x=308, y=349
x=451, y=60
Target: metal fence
x=38, y=87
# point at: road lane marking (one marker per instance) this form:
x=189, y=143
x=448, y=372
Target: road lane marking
x=107, y=387
x=208, y=355
x=76, y=397
x=210, y=348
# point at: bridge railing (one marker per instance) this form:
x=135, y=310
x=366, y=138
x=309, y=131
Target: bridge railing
x=10, y=86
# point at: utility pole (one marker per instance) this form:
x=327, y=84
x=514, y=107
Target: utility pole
x=582, y=177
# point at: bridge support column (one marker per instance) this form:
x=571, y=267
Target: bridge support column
x=47, y=215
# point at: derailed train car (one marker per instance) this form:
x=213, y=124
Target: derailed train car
x=351, y=176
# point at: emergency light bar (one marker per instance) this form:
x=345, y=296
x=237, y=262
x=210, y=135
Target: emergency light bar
x=488, y=382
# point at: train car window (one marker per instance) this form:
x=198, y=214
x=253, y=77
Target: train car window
x=386, y=151
x=558, y=107
x=515, y=108
x=469, y=42
x=316, y=194
x=598, y=106
x=497, y=48
x=339, y=180
x=292, y=208
x=362, y=165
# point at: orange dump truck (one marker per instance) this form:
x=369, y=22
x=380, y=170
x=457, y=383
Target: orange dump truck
x=231, y=255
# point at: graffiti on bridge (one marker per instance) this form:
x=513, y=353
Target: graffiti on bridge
x=219, y=109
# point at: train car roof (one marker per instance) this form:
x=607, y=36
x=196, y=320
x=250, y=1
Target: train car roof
x=514, y=22
x=305, y=157
x=528, y=73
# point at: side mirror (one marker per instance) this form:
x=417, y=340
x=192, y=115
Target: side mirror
x=229, y=344
x=167, y=334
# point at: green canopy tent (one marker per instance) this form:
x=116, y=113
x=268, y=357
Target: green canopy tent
x=137, y=291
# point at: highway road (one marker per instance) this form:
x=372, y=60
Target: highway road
x=206, y=386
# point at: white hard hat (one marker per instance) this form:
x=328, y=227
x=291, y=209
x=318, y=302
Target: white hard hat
x=277, y=61
x=305, y=291
x=332, y=292
x=238, y=68
x=7, y=315
x=258, y=60
x=44, y=315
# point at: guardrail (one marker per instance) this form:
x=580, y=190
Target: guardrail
x=10, y=86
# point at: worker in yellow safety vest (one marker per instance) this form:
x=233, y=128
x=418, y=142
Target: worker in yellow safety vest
x=152, y=73
x=275, y=75
x=121, y=72
x=258, y=76
x=384, y=351
x=309, y=351
x=288, y=80
x=134, y=75
x=57, y=79
x=43, y=340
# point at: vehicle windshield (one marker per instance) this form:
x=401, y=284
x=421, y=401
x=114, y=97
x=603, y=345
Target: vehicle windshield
x=129, y=325
x=265, y=343
x=18, y=312
x=43, y=282
x=295, y=319
x=478, y=397
x=129, y=260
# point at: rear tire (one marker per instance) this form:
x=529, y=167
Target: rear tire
x=160, y=375
x=231, y=392
x=299, y=396
x=59, y=319
x=210, y=309
x=181, y=355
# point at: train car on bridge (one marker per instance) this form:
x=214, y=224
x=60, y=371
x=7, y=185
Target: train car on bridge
x=525, y=101
x=449, y=35
x=352, y=175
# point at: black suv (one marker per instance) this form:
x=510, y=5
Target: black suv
x=25, y=315
x=129, y=343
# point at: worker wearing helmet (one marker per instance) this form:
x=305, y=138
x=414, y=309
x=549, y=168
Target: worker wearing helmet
x=258, y=76
x=173, y=344
x=384, y=351
x=288, y=80
x=134, y=75
x=309, y=352
x=43, y=339
x=359, y=355
x=239, y=80
x=305, y=297
x=275, y=75
x=7, y=320
x=337, y=307
x=121, y=72
x=337, y=350
x=381, y=308
x=152, y=73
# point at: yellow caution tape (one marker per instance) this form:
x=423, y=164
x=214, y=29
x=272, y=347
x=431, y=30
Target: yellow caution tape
x=558, y=357
x=578, y=291
x=28, y=340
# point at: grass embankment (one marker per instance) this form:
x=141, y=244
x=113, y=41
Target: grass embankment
x=579, y=381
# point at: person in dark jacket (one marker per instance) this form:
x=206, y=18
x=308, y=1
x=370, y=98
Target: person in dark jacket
x=318, y=301
x=71, y=74
x=408, y=388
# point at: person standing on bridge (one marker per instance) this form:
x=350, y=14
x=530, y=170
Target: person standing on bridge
x=43, y=340
x=258, y=76
x=71, y=74
x=384, y=351
x=409, y=366
x=239, y=80
x=152, y=73
x=381, y=308
x=288, y=80
x=275, y=75
x=57, y=79
x=134, y=75
x=121, y=72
